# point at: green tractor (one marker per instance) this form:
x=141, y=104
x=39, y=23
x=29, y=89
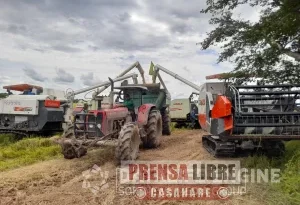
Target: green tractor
x=152, y=95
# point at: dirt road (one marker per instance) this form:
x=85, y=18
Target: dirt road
x=60, y=181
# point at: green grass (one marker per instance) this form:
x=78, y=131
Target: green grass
x=288, y=190
x=172, y=127
x=6, y=139
x=15, y=153
x=290, y=180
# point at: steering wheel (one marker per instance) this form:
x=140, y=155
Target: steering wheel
x=121, y=93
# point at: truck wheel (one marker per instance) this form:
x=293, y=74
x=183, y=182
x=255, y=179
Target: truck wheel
x=166, y=130
x=128, y=143
x=153, y=130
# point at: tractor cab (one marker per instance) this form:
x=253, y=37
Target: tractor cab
x=133, y=93
x=143, y=94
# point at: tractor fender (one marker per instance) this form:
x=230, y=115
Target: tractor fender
x=143, y=113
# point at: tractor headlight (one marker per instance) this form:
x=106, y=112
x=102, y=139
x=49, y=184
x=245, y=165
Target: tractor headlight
x=99, y=126
x=91, y=126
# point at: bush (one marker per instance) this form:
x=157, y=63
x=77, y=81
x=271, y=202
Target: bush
x=290, y=180
x=288, y=190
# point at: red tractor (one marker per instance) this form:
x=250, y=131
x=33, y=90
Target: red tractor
x=116, y=122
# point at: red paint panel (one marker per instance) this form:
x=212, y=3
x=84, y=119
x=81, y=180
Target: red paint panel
x=222, y=107
x=143, y=113
x=52, y=103
x=174, y=109
x=202, y=120
x=116, y=110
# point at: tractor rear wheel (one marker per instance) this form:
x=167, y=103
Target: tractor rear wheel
x=128, y=143
x=166, y=130
x=153, y=130
x=70, y=147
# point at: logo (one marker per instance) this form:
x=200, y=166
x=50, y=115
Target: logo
x=223, y=192
x=52, y=103
x=91, y=179
x=202, y=102
x=184, y=172
x=188, y=180
x=140, y=193
x=174, y=109
x=23, y=109
x=9, y=102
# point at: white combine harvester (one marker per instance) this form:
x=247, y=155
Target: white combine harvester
x=180, y=110
x=34, y=111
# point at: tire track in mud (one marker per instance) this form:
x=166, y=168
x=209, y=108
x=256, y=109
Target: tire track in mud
x=60, y=181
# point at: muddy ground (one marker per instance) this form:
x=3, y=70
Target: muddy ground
x=60, y=181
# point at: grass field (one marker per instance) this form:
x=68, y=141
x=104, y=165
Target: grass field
x=15, y=153
x=19, y=152
x=288, y=190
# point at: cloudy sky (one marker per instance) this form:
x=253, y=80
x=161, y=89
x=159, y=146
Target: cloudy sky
x=76, y=43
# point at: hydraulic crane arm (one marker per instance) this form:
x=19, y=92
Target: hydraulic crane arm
x=135, y=65
x=176, y=76
x=106, y=83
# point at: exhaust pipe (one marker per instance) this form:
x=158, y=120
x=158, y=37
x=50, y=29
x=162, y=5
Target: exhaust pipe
x=111, y=95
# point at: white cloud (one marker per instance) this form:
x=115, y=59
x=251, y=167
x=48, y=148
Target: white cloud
x=98, y=39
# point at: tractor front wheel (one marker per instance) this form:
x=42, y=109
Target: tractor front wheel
x=153, y=130
x=128, y=143
x=71, y=148
x=166, y=130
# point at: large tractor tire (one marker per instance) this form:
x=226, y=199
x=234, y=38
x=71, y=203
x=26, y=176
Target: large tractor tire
x=128, y=143
x=70, y=147
x=153, y=130
x=166, y=127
